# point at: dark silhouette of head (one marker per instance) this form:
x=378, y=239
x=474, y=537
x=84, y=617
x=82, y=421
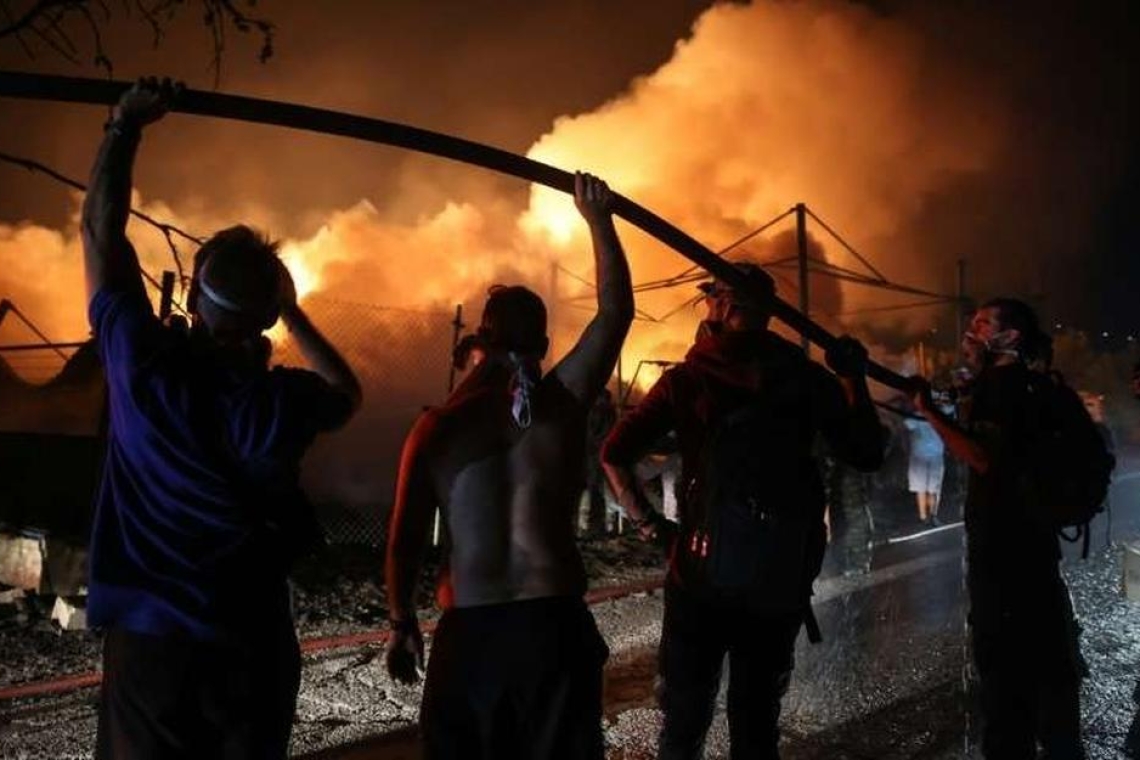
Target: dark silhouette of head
x=514, y=320
x=1012, y=324
x=236, y=290
x=736, y=309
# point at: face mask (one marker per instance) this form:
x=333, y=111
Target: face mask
x=1005, y=342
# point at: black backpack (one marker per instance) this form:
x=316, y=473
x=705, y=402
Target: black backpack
x=1069, y=466
x=758, y=502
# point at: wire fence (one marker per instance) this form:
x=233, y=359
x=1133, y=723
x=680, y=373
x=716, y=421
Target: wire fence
x=51, y=396
x=403, y=360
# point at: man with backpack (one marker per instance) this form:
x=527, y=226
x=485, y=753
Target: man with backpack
x=1036, y=465
x=746, y=406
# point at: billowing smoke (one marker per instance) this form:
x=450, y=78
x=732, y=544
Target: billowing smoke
x=763, y=106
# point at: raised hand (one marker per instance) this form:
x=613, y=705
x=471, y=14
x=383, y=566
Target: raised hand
x=286, y=288
x=847, y=357
x=593, y=197
x=147, y=101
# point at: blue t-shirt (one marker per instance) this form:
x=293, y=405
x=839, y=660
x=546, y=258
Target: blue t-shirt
x=925, y=443
x=199, y=504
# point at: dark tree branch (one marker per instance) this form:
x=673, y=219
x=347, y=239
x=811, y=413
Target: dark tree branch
x=169, y=231
x=33, y=13
x=11, y=23
x=47, y=20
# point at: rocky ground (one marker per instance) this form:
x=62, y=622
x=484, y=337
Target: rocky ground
x=890, y=681
x=336, y=593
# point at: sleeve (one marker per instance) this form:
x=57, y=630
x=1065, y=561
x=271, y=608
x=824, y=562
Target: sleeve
x=315, y=405
x=126, y=329
x=853, y=432
x=636, y=431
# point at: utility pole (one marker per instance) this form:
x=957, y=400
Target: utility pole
x=960, y=309
x=552, y=303
x=166, y=299
x=802, y=255
x=457, y=325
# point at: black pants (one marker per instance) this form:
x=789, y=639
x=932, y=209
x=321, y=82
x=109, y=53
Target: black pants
x=696, y=635
x=167, y=698
x=1027, y=654
x=517, y=680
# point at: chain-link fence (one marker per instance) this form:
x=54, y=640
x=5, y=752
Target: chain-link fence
x=51, y=405
x=403, y=360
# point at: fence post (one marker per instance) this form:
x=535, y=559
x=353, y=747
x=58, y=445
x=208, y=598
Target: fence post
x=166, y=299
x=456, y=323
x=802, y=256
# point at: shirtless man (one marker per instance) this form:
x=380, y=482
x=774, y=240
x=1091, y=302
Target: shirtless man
x=516, y=662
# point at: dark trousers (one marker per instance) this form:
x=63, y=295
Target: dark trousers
x=166, y=698
x=1026, y=650
x=696, y=634
x=514, y=681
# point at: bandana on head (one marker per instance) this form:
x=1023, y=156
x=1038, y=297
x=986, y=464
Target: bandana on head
x=523, y=382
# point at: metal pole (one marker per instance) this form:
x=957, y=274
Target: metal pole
x=960, y=311
x=802, y=256
x=553, y=303
x=458, y=326
x=166, y=297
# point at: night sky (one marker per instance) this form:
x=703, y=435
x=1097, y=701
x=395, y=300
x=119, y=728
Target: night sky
x=1018, y=120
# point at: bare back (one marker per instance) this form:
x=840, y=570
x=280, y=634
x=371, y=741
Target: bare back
x=509, y=496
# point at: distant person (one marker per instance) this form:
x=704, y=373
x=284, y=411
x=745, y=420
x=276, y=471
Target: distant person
x=199, y=515
x=516, y=663
x=747, y=406
x=601, y=419
x=1023, y=635
x=925, y=468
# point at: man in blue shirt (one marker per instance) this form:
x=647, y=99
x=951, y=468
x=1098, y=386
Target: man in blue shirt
x=199, y=514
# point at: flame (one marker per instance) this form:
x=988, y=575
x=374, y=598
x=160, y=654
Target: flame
x=306, y=278
x=551, y=216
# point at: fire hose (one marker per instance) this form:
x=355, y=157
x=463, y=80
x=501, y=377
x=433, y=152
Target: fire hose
x=324, y=121
x=78, y=681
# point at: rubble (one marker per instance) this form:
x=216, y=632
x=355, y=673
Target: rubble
x=70, y=613
x=22, y=560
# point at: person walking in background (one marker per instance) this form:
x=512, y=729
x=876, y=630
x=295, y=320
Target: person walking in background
x=925, y=468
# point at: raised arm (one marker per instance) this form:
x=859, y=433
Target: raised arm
x=852, y=428
x=321, y=355
x=585, y=369
x=960, y=443
x=408, y=530
x=109, y=258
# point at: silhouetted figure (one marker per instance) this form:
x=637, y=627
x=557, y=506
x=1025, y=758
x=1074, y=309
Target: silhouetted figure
x=199, y=515
x=925, y=468
x=1023, y=634
x=850, y=535
x=603, y=415
x=746, y=406
x=516, y=662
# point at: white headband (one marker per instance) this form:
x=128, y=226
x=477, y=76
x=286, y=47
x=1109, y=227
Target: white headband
x=217, y=297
